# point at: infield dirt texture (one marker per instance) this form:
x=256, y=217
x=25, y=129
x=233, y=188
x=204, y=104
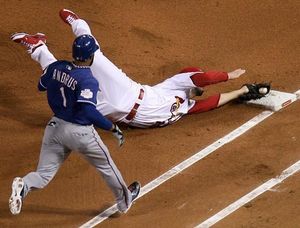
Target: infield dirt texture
x=151, y=40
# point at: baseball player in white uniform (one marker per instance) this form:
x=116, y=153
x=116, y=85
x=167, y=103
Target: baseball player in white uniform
x=123, y=100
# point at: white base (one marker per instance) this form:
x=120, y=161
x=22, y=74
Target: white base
x=275, y=100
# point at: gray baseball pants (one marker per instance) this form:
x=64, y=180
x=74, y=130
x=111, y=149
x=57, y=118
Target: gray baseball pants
x=60, y=138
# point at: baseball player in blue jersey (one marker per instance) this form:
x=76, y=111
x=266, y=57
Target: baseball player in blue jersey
x=72, y=95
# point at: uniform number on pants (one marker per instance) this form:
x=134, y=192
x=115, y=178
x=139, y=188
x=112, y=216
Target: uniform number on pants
x=62, y=90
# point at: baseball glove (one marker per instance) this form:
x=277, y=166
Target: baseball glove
x=256, y=91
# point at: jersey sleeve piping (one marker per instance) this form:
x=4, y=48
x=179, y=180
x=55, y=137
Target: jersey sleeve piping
x=42, y=84
x=85, y=101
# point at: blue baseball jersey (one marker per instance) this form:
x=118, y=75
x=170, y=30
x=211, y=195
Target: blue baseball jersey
x=68, y=86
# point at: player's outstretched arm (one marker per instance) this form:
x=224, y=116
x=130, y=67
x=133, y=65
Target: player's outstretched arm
x=202, y=79
x=100, y=121
x=236, y=73
x=217, y=100
x=245, y=93
x=227, y=97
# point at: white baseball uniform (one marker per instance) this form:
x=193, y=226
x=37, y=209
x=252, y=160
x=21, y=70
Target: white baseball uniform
x=119, y=94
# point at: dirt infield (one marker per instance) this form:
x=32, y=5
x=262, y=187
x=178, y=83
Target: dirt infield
x=151, y=40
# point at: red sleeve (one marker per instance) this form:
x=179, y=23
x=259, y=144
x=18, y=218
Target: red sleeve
x=210, y=77
x=205, y=104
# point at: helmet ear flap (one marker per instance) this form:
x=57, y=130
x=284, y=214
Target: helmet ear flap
x=92, y=59
x=84, y=47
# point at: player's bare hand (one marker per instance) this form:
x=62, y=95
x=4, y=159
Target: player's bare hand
x=118, y=134
x=236, y=73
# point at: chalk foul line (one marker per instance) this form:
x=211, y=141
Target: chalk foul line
x=185, y=164
x=250, y=196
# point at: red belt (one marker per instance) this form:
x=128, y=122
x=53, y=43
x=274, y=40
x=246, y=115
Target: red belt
x=133, y=111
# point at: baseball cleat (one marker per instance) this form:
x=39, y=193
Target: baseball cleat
x=68, y=16
x=15, y=200
x=31, y=42
x=134, y=188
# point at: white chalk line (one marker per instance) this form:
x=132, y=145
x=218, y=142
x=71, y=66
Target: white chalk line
x=185, y=164
x=253, y=194
x=250, y=196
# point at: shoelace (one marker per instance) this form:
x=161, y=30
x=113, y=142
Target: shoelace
x=26, y=44
x=70, y=19
x=30, y=46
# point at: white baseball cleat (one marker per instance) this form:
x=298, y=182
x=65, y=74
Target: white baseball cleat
x=15, y=200
x=68, y=16
x=31, y=42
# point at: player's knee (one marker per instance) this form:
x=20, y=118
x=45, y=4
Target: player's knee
x=190, y=69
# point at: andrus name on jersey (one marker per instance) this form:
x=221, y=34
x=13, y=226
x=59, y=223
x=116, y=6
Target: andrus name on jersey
x=65, y=79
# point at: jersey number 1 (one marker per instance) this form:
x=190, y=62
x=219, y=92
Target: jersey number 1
x=62, y=90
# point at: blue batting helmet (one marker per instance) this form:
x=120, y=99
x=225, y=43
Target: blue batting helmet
x=84, y=47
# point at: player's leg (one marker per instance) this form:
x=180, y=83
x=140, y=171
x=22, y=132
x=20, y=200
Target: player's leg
x=52, y=155
x=97, y=154
x=79, y=26
x=118, y=91
x=189, y=78
x=100, y=158
x=43, y=56
x=51, y=158
x=36, y=47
